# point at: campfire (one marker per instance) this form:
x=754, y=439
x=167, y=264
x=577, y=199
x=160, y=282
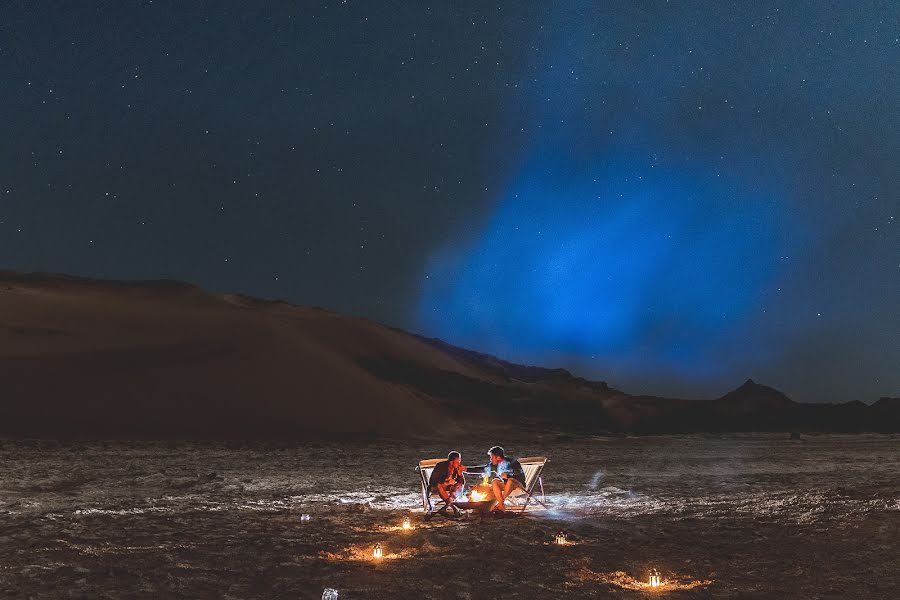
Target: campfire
x=477, y=496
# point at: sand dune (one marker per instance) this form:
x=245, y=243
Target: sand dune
x=87, y=358
x=80, y=356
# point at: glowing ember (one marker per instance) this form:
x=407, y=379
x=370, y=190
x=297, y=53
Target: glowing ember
x=477, y=496
x=377, y=553
x=407, y=524
x=655, y=580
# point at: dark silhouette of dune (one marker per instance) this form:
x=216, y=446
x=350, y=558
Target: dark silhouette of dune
x=89, y=358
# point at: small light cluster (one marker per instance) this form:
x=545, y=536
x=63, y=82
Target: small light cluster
x=560, y=538
x=655, y=580
x=377, y=552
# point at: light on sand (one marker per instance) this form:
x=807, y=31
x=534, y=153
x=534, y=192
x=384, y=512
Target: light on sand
x=377, y=553
x=561, y=537
x=330, y=594
x=655, y=580
x=407, y=524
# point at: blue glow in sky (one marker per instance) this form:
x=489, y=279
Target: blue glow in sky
x=688, y=199
x=627, y=264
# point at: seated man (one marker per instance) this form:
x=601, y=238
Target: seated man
x=504, y=474
x=447, y=479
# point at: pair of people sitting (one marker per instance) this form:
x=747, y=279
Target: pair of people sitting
x=504, y=474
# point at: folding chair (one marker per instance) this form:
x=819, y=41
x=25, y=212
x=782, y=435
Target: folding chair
x=424, y=470
x=533, y=466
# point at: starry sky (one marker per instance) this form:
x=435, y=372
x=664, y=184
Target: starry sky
x=668, y=196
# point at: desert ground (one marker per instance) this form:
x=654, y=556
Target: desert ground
x=720, y=516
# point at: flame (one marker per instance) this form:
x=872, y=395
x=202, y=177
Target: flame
x=477, y=496
x=407, y=524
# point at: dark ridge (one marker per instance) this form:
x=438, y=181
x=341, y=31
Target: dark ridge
x=228, y=371
x=472, y=399
x=513, y=371
x=62, y=280
x=887, y=403
x=751, y=394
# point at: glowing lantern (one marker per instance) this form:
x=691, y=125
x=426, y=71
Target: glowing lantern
x=406, y=523
x=330, y=594
x=561, y=537
x=377, y=552
x=655, y=580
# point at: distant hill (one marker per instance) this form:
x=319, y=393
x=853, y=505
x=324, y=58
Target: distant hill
x=91, y=358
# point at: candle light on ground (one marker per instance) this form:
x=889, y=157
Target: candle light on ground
x=625, y=581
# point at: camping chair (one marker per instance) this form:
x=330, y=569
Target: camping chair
x=533, y=466
x=424, y=470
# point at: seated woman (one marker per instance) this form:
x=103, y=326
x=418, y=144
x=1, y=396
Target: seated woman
x=447, y=479
x=505, y=475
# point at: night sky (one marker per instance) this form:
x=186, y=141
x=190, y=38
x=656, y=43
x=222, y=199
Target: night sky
x=669, y=196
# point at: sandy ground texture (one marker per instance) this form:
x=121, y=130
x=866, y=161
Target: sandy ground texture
x=748, y=516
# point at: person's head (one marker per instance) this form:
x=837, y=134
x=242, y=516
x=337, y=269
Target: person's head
x=454, y=458
x=497, y=454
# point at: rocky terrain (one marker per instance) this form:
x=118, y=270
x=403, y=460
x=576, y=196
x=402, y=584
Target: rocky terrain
x=720, y=516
